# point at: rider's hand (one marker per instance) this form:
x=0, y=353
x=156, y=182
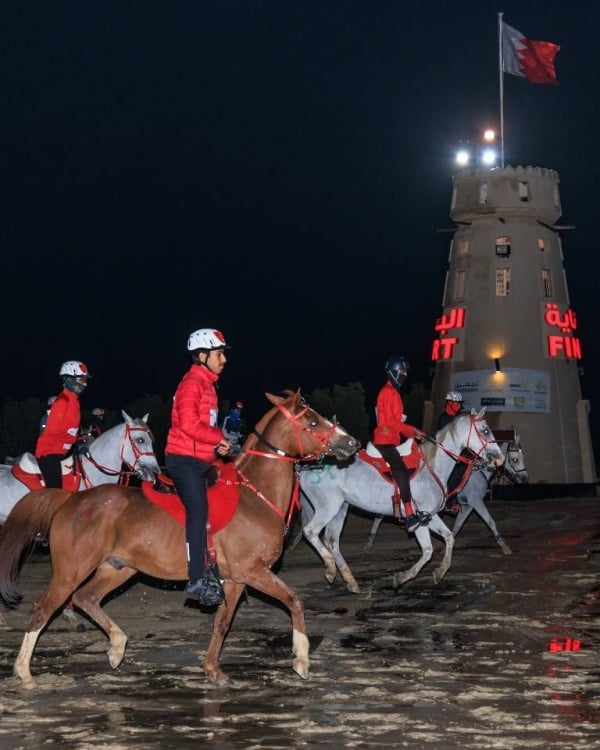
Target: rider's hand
x=223, y=447
x=420, y=435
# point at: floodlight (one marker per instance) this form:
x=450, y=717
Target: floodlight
x=488, y=156
x=462, y=158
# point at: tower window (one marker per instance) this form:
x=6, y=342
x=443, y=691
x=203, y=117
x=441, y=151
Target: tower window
x=523, y=192
x=547, y=282
x=503, y=247
x=463, y=247
x=483, y=193
x=502, y=282
x=541, y=244
x=459, y=284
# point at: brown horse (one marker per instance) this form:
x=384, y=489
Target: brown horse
x=111, y=532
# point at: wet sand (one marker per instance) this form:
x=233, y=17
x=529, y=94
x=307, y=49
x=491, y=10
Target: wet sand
x=471, y=663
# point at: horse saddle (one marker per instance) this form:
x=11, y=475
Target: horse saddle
x=29, y=465
x=408, y=450
x=26, y=470
x=404, y=449
x=223, y=495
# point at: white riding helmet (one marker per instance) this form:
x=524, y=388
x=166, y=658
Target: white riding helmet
x=74, y=368
x=206, y=338
x=454, y=396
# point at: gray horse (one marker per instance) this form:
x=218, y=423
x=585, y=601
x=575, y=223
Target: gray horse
x=128, y=443
x=472, y=496
x=331, y=490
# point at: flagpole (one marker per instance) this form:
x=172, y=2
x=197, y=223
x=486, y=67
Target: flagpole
x=501, y=73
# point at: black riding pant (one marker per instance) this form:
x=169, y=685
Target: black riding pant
x=51, y=469
x=189, y=475
x=399, y=471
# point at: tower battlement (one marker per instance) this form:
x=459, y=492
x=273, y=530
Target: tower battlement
x=512, y=191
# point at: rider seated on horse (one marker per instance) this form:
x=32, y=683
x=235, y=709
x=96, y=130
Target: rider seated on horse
x=453, y=405
x=393, y=430
x=62, y=425
x=193, y=443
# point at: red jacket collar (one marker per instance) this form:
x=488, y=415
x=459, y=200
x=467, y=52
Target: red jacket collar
x=200, y=372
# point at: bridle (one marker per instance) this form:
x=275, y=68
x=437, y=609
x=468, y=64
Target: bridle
x=477, y=455
x=279, y=454
x=473, y=459
x=282, y=455
x=511, y=473
x=124, y=476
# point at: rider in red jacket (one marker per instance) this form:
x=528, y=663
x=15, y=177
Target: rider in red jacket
x=392, y=430
x=62, y=425
x=193, y=443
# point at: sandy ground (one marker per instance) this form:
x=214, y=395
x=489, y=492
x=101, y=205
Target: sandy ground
x=465, y=664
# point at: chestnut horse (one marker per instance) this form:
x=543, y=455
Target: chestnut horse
x=111, y=532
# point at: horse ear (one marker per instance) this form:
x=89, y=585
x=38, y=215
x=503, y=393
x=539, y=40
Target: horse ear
x=275, y=400
x=145, y=418
x=126, y=417
x=482, y=412
x=473, y=412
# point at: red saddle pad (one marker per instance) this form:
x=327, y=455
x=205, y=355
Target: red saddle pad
x=70, y=481
x=223, y=499
x=411, y=461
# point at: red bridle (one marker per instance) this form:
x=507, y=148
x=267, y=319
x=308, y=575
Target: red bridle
x=137, y=454
x=471, y=462
x=281, y=455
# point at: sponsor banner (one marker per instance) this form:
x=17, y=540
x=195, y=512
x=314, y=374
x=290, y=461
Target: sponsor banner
x=509, y=390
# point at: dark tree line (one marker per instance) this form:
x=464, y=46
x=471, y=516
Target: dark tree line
x=20, y=420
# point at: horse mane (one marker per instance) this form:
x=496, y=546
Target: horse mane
x=429, y=449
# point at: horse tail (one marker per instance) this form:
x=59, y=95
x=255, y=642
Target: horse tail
x=28, y=521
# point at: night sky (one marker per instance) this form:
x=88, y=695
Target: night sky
x=277, y=169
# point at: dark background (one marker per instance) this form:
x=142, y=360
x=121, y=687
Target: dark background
x=276, y=169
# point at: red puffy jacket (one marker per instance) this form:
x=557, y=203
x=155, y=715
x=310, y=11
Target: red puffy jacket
x=194, y=416
x=391, y=430
x=62, y=426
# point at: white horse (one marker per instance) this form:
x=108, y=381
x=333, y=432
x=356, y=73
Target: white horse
x=333, y=489
x=472, y=496
x=128, y=443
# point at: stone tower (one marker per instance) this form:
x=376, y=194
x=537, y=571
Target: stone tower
x=508, y=337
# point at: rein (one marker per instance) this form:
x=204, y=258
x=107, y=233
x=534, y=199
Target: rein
x=473, y=462
x=282, y=455
x=278, y=454
x=125, y=476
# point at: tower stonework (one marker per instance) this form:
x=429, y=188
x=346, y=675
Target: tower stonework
x=508, y=337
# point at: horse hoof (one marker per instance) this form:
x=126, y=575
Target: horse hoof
x=437, y=577
x=506, y=550
x=330, y=578
x=353, y=589
x=224, y=681
x=301, y=669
